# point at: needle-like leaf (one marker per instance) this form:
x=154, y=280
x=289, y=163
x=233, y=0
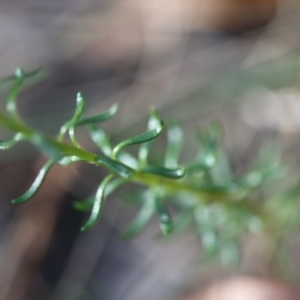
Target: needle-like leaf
x=98, y=204
x=80, y=107
x=12, y=97
x=99, y=118
x=4, y=145
x=36, y=184
x=153, y=122
x=145, y=137
x=164, y=172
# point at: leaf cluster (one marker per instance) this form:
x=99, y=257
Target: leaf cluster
x=203, y=192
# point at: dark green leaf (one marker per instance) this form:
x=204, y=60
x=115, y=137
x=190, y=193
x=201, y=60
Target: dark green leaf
x=36, y=184
x=98, y=204
x=145, y=137
x=99, y=118
x=164, y=172
x=115, y=166
x=80, y=107
x=166, y=224
x=142, y=219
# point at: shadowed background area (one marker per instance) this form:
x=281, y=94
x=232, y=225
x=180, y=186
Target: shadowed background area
x=196, y=61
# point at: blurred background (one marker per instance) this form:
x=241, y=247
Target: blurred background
x=236, y=61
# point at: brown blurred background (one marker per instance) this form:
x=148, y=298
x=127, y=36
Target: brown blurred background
x=195, y=60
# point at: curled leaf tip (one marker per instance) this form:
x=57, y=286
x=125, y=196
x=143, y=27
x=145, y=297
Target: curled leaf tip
x=114, y=108
x=4, y=145
x=19, y=73
x=79, y=110
x=80, y=103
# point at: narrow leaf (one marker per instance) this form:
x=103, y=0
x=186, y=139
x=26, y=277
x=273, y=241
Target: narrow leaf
x=73, y=137
x=11, y=102
x=99, y=118
x=28, y=75
x=142, y=218
x=98, y=204
x=145, y=137
x=80, y=107
x=36, y=184
x=166, y=224
x=115, y=166
x=100, y=138
x=4, y=145
x=153, y=122
x=164, y=172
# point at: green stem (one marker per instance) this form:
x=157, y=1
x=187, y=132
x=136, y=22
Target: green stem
x=58, y=149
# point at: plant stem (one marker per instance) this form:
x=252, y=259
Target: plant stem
x=232, y=197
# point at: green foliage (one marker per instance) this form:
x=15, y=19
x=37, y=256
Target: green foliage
x=223, y=207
